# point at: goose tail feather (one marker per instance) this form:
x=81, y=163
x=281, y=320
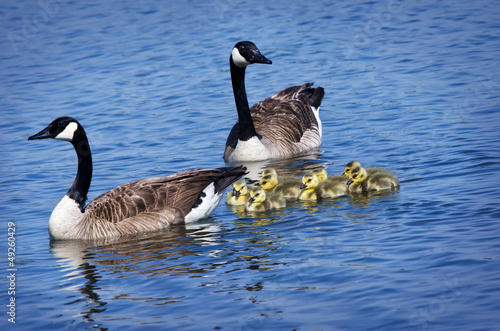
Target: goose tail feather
x=228, y=176
x=316, y=95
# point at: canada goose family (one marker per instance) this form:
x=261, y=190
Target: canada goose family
x=313, y=189
x=363, y=180
x=238, y=196
x=259, y=201
x=288, y=187
x=280, y=126
x=141, y=206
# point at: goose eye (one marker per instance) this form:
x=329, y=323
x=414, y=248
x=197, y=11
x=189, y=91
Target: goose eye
x=264, y=183
x=309, y=179
x=257, y=194
x=60, y=123
x=355, y=176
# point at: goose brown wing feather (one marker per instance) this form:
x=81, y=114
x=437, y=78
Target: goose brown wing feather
x=158, y=195
x=287, y=114
x=289, y=118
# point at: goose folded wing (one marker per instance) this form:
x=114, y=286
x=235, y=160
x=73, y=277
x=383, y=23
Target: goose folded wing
x=288, y=121
x=174, y=195
x=288, y=114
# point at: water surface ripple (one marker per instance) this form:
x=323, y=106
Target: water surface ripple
x=412, y=86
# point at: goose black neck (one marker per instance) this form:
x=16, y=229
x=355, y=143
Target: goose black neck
x=80, y=187
x=247, y=129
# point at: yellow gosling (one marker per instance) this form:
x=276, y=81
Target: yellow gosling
x=259, y=201
x=350, y=166
x=321, y=174
x=313, y=189
x=288, y=187
x=238, y=196
x=362, y=180
x=355, y=164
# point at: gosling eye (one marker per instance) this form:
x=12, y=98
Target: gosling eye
x=309, y=180
x=264, y=182
x=355, y=176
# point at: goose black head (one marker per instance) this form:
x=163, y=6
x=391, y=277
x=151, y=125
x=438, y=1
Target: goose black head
x=63, y=128
x=245, y=53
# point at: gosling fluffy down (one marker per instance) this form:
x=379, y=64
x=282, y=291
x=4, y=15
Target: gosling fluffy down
x=238, y=196
x=260, y=202
x=313, y=189
x=363, y=180
x=354, y=164
x=288, y=187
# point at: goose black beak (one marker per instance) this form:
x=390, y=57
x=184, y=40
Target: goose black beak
x=237, y=193
x=349, y=182
x=44, y=134
x=252, y=199
x=303, y=186
x=259, y=58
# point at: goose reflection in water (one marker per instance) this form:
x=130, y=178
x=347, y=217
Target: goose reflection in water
x=152, y=256
x=103, y=271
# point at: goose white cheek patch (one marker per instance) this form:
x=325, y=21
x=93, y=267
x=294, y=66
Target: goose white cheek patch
x=68, y=133
x=238, y=59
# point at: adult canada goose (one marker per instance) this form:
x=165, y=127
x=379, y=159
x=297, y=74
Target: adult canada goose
x=238, y=196
x=363, y=180
x=141, y=206
x=288, y=187
x=260, y=201
x=280, y=126
x=313, y=189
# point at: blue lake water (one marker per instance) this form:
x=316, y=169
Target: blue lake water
x=412, y=86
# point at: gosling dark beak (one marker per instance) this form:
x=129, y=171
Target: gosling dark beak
x=349, y=182
x=252, y=199
x=303, y=186
x=41, y=135
x=259, y=58
x=237, y=193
